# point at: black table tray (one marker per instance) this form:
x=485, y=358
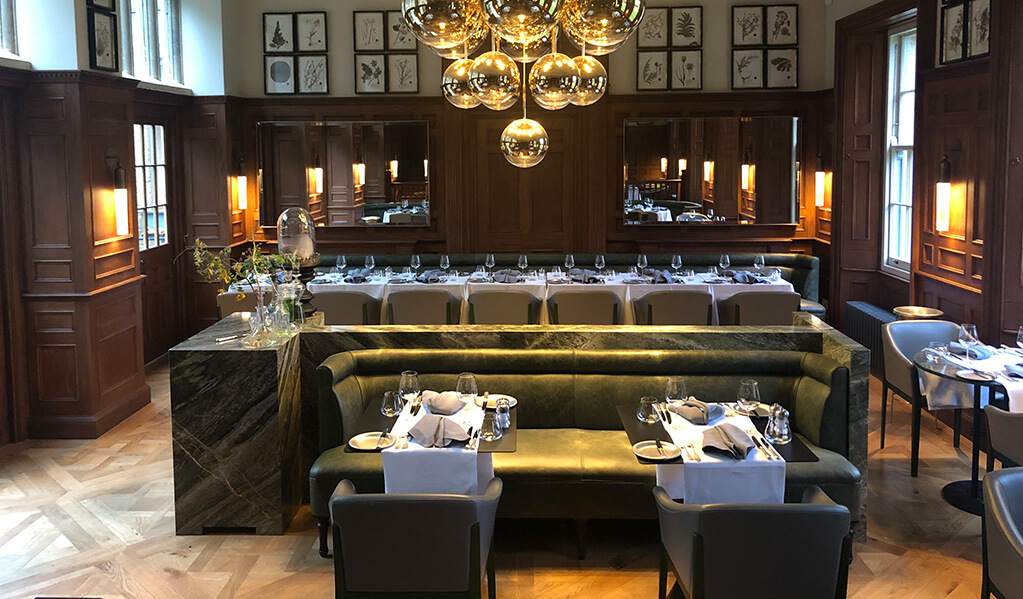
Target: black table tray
x=793, y=451
x=372, y=420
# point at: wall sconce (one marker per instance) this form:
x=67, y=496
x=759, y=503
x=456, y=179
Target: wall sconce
x=746, y=168
x=664, y=167
x=943, y=196
x=362, y=173
x=394, y=170
x=317, y=173
x=122, y=223
x=241, y=185
x=708, y=168
x=426, y=168
x=820, y=178
x=683, y=164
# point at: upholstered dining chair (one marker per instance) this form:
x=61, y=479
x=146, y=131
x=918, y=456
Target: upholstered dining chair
x=679, y=307
x=900, y=341
x=348, y=307
x=1005, y=433
x=759, y=308
x=1003, y=534
x=798, y=549
x=230, y=302
x=504, y=307
x=450, y=538
x=424, y=306
x=590, y=306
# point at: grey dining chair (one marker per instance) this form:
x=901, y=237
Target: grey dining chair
x=230, y=302
x=901, y=340
x=1005, y=436
x=348, y=308
x=504, y=307
x=425, y=306
x=679, y=307
x=1003, y=534
x=759, y=308
x=797, y=549
x=584, y=307
x=450, y=536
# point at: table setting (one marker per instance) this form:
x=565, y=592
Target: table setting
x=970, y=361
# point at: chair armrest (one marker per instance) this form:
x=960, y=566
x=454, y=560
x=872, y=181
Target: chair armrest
x=813, y=495
x=340, y=399
x=486, y=514
x=679, y=523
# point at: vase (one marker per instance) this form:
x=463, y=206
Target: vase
x=269, y=323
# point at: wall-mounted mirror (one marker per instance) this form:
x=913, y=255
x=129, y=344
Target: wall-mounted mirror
x=712, y=169
x=346, y=173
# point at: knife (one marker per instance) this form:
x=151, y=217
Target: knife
x=229, y=338
x=417, y=404
x=383, y=436
x=660, y=448
x=667, y=412
x=472, y=429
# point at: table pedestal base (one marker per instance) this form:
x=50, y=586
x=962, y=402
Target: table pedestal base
x=960, y=495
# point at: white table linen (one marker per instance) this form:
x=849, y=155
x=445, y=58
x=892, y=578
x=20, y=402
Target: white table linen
x=719, y=479
x=945, y=393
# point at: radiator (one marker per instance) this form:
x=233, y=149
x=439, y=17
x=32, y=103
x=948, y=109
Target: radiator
x=863, y=324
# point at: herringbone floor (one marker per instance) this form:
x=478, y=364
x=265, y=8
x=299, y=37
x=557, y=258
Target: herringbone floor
x=95, y=519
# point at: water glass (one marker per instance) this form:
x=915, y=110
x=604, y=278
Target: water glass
x=556, y=272
x=758, y=263
x=490, y=262
x=710, y=213
x=676, y=263
x=491, y=429
x=688, y=273
x=675, y=391
x=598, y=263
x=724, y=261
x=570, y=264
x=749, y=396
x=775, y=274
x=647, y=412
x=370, y=262
x=523, y=262
x=641, y=262
x=466, y=387
x=340, y=264
x=504, y=412
x=415, y=263
x=392, y=404
x=712, y=271
x=445, y=262
x=408, y=388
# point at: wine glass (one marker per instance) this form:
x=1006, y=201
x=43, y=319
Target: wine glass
x=570, y=263
x=968, y=337
x=676, y=263
x=415, y=263
x=598, y=263
x=523, y=262
x=408, y=388
x=466, y=387
x=490, y=263
x=710, y=213
x=340, y=264
x=724, y=262
x=749, y=396
x=758, y=262
x=445, y=262
x=675, y=391
x=370, y=262
x=641, y=262
x=1019, y=338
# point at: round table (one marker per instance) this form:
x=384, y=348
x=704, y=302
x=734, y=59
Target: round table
x=964, y=494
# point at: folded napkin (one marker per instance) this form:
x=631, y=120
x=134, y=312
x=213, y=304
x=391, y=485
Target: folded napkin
x=748, y=278
x=976, y=352
x=583, y=275
x=507, y=276
x=698, y=412
x=430, y=276
x=358, y=275
x=446, y=403
x=728, y=439
x=434, y=430
x=728, y=273
x=659, y=276
x=1015, y=370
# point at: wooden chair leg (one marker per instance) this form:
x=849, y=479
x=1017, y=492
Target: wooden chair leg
x=323, y=528
x=957, y=427
x=914, y=457
x=884, y=411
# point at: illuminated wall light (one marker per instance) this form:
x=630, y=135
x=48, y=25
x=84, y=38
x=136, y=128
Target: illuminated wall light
x=747, y=169
x=820, y=179
x=362, y=173
x=708, y=170
x=394, y=170
x=683, y=164
x=426, y=169
x=121, y=205
x=943, y=196
x=664, y=167
x=241, y=183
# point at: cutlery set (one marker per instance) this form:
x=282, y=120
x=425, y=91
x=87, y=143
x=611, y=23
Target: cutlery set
x=766, y=448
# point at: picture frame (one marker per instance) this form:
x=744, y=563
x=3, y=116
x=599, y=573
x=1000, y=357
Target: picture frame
x=313, y=74
x=399, y=36
x=403, y=73
x=652, y=70
x=278, y=74
x=687, y=27
x=782, y=68
x=103, y=40
x=370, y=74
x=747, y=68
x=953, y=29
x=747, y=25
x=368, y=31
x=653, y=30
x=686, y=70
x=278, y=32
x=110, y=5
x=978, y=36
x=781, y=25
x=311, y=31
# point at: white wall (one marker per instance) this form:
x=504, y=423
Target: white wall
x=53, y=34
x=202, y=47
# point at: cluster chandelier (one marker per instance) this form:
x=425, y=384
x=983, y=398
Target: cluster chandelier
x=525, y=32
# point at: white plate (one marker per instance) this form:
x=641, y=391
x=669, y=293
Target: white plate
x=512, y=402
x=369, y=441
x=973, y=375
x=648, y=450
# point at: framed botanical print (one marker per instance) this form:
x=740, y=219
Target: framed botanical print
x=687, y=69
x=278, y=32
x=782, y=68
x=687, y=27
x=781, y=23
x=652, y=71
x=370, y=76
x=953, y=29
x=747, y=25
x=403, y=73
x=653, y=30
x=979, y=34
x=311, y=31
x=103, y=35
x=278, y=74
x=747, y=69
x=399, y=36
x=369, y=31
x=312, y=74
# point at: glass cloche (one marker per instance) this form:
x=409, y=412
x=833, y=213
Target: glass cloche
x=296, y=233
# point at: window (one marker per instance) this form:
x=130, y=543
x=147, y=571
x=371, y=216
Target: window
x=154, y=35
x=898, y=223
x=8, y=35
x=151, y=186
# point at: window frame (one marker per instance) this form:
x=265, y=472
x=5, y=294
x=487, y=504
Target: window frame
x=895, y=149
x=142, y=166
x=151, y=32
x=8, y=28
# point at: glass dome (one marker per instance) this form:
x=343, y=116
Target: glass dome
x=296, y=233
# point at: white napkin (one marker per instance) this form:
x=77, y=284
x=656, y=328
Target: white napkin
x=433, y=430
x=445, y=403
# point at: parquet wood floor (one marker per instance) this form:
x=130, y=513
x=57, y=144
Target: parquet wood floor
x=95, y=519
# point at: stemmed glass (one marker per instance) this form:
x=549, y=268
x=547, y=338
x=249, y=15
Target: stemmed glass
x=415, y=263
x=758, y=263
x=641, y=262
x=724, y=262
x=710, y=213
x=466, y=387
x=675, y=391
x=749, y=396
x=676, y=263
x=599, y=263
x=370, y=262
x=523, y=262
x=968, y=337
x=408, y=388
x=340, y=264
x=445, y=262
x=490, y=263
x=1019, y=338
x=570, y=263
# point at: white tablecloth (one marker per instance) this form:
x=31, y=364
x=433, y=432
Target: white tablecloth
x=417, y=469
x=381, y=288
x=720, y=479
x=945, y=393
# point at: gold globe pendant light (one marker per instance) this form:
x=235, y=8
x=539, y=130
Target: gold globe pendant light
x=603, y=25
x=494, y=79
x=592, y=81
x=522, y=21
x=554, y=81
x=443, y=24
x=477, y=35
x=524, y=142
x=527, y=53
x=454, y=85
